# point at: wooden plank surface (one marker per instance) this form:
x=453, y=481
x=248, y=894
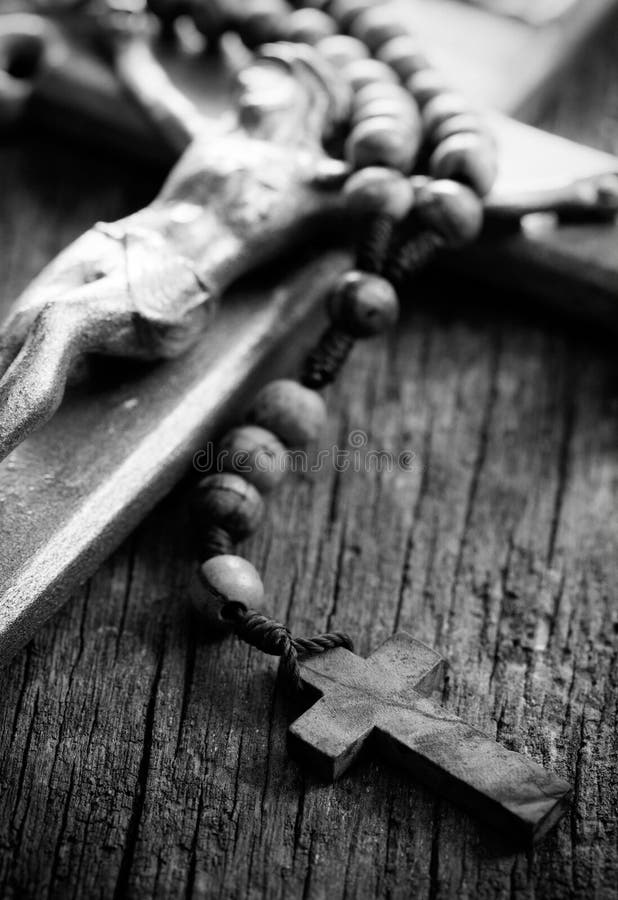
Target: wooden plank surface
x=137, y=759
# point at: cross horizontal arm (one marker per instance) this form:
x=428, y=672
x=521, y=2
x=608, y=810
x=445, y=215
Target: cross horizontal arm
x=505, y=788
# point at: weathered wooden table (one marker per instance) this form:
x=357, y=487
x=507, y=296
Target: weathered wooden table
x=138, y=760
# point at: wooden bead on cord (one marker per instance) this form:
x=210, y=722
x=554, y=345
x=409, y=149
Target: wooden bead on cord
x=222, y=582
x=375, y=26
x=341, y=49
x=376, y=190
x=308, y=26
x=256, y=454
x=450, y=209
x=363, y=304
x=425, y=85
x=381, y=141
x=229, y=502
x=296, y=414
x=469, y=123
x=361, y=72
x=403, y=54
x=469, y=158
x=345, y=11
x=442, y=107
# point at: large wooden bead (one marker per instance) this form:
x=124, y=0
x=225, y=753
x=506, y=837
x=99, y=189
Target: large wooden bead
x=469, y=158
x=460, y=124
x=376, y=25
x=345, y=11
x=442, y=107
x=379, y=191
x=365, y=71
x=228, y=501
x=404, y=55
x=341, y=49
x=308, y=26
x=256, y=454
x=363, y=304
x=425, y=85
x=451, y=209
x=221, y=583
x=381, y=141
x=296, y=414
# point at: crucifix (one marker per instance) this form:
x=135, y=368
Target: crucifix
x=383, y=703
x=144, y=287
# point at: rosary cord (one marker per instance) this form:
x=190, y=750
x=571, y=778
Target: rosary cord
x=409, y=255
x=273, y=638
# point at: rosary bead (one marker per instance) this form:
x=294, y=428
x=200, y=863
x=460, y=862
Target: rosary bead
x=363, y=304
x=404, y=55
x=229, y=502
x=441, y=108
x=381, y=141
x=379, y=191
x=361, y=72
x=308, y=26
x=376, y=25
x=464, y=123
x=341, y=49
x=296, y=414
x=450, y=209
x=425, y=85
x=256, y=454
x=469, y=158
x=345, y=11
x=221, y=581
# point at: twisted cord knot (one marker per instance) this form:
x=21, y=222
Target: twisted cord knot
x=274, y=638
x=217, y=542
x=325, y=361
x=410, y=255
x=373, y=243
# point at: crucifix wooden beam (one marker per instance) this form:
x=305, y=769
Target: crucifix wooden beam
x=381, y=703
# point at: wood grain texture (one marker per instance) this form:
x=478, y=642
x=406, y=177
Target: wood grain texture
x=137, y=759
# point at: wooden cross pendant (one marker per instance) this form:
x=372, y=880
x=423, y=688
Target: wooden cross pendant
x=382, y=702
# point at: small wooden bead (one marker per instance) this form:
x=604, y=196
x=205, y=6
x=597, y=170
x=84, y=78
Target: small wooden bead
x=345, y=11
x=231, y=503
x=341, y=49
x=404, y=55
x=256, y=454
x=365, y=71
x=376, y=25
x=308, y=26
x=381, y=141
x=224, y=581
x=425, y=85
x=466, y=122
x=376, y=190
x=451, y=209
x=294, y=413
x=469, y=158
x=391, y=96
x=442, y=107
x=363, y=304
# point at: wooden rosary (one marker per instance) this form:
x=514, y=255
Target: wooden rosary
x=402, y=116
x=417, y=163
